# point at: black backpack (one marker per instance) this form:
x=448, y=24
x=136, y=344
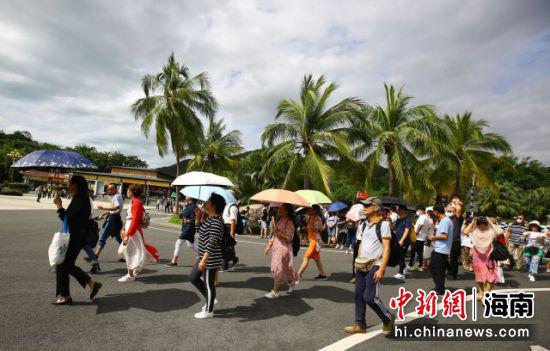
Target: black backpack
x=394, y=246
x=295, y=241
x=500, y=252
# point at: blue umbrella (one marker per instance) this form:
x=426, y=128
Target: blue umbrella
x=54, y=159
x=203, y=192
x=337, y=206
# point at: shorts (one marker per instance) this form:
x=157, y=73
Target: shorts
x=263, y=224
x=332, y=231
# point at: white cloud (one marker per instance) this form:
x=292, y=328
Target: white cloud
x=73, y=69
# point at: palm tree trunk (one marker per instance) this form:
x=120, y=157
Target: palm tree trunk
x=457, y=181
x=391, y=174
x=177, y=187
x=306, y=181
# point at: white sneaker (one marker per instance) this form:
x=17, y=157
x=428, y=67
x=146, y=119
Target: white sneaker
x=291, y=287
x=204, y=315
x=532, y=278
x=347, y=251
x=406, y=270
x=126, y=279
x=399, y=276
x=420, y=269
x=271, y=295
x=414, y=269
x=204, y=307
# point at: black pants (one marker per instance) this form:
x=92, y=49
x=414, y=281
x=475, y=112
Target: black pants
x=207, y=288
x=438, y=263
x=229, y=253
x=452, y=268
x=68, y=267
x=355, y=253
x=402, y=256
x=417, y=250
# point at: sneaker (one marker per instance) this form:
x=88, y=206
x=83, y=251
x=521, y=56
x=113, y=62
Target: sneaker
x=271, y=295
x=532, y=278
x=204, y=307
x=171, y=264
x=420, y=269
x=321, y=277
x=399, y=276
x=414, y=269
x=347, y=252
x=387, y=328
x=291, y=287
x=406, y=270
x=204, y=315
x=355, y=329
x=126, y=279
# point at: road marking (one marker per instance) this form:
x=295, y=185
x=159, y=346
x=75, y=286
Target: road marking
x=355, y=339
x=242, y=241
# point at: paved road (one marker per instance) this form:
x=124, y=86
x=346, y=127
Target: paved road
x=156, y=311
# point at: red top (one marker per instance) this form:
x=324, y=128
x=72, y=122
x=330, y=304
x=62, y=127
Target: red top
x=137, y=216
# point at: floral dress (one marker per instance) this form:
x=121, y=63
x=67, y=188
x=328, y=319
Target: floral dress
x=282, y=258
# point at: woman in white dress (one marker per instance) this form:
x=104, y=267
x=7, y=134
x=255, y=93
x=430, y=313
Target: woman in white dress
x=133, y=248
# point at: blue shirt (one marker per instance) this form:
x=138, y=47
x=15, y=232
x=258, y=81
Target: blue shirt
x=400, y=225
x=444, y=246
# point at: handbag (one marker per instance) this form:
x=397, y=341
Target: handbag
x=364, y=265
x=59, y=245
x=499, y=252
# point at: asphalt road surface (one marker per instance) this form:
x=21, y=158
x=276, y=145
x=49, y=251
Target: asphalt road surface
x=156, y=311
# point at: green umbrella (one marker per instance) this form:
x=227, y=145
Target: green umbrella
x=314, y=197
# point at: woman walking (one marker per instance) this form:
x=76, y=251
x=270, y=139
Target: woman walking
x=483, y=233
x=535, y=249
x=78, y=219
x=211, y=232
x=314, y=228
x=282, y=258
x=133, y=248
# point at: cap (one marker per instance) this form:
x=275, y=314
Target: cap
x=372, y=201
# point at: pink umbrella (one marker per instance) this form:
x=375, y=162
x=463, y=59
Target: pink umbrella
x=281, y=196
x=355, y=213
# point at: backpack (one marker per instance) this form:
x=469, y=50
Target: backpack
x=500, y=252
x=295, y=241
x=395, y=249
x=145, y=220
x=239, y=228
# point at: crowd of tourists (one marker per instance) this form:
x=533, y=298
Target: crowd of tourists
x=438, y=239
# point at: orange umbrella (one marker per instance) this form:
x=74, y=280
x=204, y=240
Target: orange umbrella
x=280, y=195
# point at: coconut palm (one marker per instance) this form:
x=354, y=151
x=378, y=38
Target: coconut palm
x=396, y=134
x=468, y=150
x=216, y=149
x=173, y=100
x=308, y=132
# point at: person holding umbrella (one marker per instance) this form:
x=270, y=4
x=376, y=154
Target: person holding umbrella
x=314, y=228
x=282, y=258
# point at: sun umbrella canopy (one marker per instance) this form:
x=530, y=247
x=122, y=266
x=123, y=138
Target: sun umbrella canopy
x=201, y=178
x=314, y=197
x=337, y=206
x=280, y=195
x=356, y=213
x=54, y=159
x=388, y=201
x=203, y=192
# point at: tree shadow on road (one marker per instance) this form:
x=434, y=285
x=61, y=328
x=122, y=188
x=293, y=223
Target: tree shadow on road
x=164, y=300
x=346, y=277
x=164, y=279
x=242, y=268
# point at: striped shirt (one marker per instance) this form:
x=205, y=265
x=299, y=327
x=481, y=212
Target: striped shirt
x=211, y=233
x=516, y=233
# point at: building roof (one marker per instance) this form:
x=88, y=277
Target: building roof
x=125, y=175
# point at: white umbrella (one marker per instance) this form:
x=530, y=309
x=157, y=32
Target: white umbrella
x=201, y=178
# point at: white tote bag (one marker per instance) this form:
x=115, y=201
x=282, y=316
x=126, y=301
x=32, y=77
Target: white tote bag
x=59, y=245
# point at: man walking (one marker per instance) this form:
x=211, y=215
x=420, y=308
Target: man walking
x=113, y=223
x=516, y=241
x=188, y=229
x=372, y=259
x=442, y=248
x=230, y=217
x=421, y=227
x=402, y=227
x=455, y=213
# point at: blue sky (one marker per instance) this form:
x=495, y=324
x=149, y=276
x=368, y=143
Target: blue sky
x=70, y=70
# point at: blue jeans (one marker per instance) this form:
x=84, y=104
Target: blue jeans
x=349, y=239
x=90, y=253
x=106, y=233
x=533, y=263
x=366, y=293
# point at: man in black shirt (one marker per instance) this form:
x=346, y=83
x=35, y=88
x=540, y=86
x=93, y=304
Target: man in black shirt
x=454, y=211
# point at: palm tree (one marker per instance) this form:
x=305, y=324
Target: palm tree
x=173, y=99
x=398, y=134
x=216, y=150
x=308, y=133
x=469, y=150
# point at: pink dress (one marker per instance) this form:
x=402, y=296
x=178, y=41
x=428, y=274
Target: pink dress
x=282, y=259
x=485, y=269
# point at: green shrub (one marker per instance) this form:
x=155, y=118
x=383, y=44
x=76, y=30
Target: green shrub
x=175, y=219
x=19, y=186
x=10, y=191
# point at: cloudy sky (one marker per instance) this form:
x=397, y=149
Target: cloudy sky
x=69, y=70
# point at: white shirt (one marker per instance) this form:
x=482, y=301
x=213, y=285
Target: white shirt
x=117, y=202
x=393, y=217
x=371, y=247
x=230, y=212
x=422, y=233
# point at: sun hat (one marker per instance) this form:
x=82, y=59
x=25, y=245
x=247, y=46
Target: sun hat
x=537, y=223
